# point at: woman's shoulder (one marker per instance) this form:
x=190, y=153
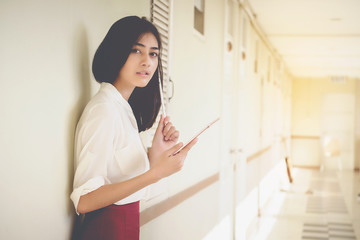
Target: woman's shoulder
x=102, y=109
x=99, y=106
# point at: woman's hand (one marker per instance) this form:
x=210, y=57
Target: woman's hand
x=168, y=162
x=166, y=136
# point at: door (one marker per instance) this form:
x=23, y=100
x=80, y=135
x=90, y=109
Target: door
x=338, y=131
x=232, y=163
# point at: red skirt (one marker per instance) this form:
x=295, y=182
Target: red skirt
x=115, y=222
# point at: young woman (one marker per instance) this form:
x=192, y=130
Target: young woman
x=113, y=169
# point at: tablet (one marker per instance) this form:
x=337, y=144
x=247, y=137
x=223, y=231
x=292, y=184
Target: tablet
x=198, y=134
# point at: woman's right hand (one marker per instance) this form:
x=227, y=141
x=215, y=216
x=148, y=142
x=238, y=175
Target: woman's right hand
x=168, y=163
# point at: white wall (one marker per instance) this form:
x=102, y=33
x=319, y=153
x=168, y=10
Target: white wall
x=357, y=125
x=196, y=69
x=46, y=48
x=197, y=75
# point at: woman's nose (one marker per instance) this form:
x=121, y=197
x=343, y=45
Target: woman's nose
x=146, y=60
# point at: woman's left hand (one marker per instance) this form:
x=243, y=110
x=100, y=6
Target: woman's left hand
x=166, y=136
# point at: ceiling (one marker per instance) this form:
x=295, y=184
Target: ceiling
x=316, y=38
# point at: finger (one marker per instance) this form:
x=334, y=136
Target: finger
x=175, y=136
x=160, y=127
x=167, y=128
x=166, y=120
x=187, y=148
x=174, y=148
x=169, y=133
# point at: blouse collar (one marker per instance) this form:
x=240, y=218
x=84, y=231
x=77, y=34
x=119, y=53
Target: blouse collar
x=109, y=89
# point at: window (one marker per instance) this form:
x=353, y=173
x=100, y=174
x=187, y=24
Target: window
x=199, y=7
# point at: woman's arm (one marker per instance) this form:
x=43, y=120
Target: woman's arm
x=111, y=193
x=106, y=195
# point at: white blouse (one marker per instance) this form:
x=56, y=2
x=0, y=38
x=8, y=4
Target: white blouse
x=108, y=148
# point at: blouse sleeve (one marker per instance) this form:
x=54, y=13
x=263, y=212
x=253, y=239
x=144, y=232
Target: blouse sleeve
x=94, y=143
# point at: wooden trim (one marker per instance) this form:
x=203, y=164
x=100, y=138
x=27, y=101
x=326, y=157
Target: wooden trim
x=155, y=211
x=306, y=167
x=305, y=137
x=258, y=154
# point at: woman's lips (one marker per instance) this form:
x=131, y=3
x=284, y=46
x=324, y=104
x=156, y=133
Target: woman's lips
x=143, y=73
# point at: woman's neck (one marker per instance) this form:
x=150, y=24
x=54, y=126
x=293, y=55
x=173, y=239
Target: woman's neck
x=125, y=91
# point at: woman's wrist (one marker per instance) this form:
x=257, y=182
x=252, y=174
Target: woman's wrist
x=152, y=155
x=154, y=176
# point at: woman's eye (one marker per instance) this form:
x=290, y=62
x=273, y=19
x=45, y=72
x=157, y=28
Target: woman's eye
x=135, y=50
x=154, y=54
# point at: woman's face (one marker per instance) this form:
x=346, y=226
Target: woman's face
x=140, y=65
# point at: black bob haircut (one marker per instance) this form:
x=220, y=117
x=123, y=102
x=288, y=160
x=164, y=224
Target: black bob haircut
x=111, y=56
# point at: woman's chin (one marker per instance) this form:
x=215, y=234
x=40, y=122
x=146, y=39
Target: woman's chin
x=143, y=83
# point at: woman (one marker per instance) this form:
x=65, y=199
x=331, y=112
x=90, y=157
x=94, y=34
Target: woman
x=112, y=167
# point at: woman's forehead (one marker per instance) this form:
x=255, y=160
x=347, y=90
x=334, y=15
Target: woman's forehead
x=148, y=40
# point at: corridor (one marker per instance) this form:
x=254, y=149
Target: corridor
x=283, y=76
x=317, y=206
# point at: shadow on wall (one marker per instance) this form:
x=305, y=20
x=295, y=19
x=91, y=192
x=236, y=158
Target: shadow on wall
x=83, y=84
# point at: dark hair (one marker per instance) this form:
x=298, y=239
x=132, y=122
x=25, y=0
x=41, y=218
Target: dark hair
x=111, y=56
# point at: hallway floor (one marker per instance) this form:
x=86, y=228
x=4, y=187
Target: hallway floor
x=316, y=206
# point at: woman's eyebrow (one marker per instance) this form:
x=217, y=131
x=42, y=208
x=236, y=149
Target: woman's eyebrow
x=142, y=45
